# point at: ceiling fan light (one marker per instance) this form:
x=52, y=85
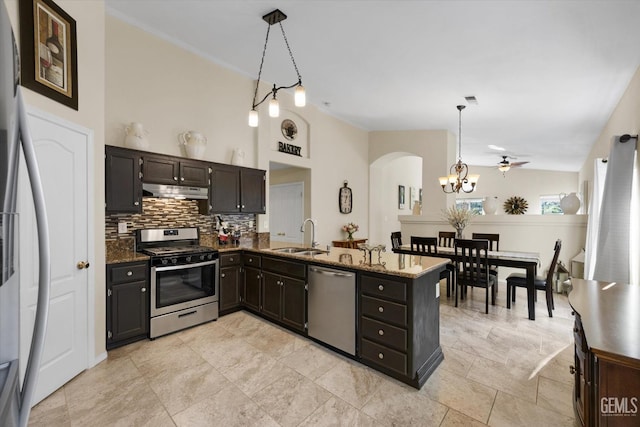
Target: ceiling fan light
x=300, y=97
x=504, y=168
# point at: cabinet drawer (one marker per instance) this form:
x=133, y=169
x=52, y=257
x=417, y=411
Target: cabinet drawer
x=384, y=288
x=128, y=273
x=284, y=267
x=385, y=334
x=230, y=259
x=386, y=311
x=251, y=260
x=384, y=356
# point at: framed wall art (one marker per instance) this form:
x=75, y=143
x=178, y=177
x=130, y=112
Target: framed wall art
x=400, y=196
x=48, y=51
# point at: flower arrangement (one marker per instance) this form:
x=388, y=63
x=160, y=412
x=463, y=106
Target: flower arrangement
x=350, y=228
x=458, y=218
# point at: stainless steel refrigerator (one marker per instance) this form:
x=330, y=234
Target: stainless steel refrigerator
x=16, y=396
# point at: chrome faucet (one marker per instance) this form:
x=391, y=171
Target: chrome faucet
x=313, y=231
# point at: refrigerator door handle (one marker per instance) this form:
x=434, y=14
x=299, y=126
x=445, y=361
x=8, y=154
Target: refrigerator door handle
x=44, y=280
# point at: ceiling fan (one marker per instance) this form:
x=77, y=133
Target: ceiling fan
x=505, y=164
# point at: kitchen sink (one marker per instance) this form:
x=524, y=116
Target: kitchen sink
x=311, y=252
x=290, y=250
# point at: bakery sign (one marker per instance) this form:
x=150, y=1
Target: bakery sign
x=284, y=147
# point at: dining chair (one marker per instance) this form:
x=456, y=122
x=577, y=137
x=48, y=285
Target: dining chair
x=396, y=240
x=427, y=246
x=446, y=239
x=494, y=245
x=472, y=268
x=540, y=283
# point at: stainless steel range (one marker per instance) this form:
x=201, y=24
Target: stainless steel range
x=184, y=278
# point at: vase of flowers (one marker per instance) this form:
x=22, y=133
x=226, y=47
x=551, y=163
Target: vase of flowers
x=350, y=229
x=458, y=218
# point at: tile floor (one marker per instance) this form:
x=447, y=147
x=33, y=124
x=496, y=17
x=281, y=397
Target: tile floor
x=500, y=369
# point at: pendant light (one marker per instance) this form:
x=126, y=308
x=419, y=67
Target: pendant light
x=276, y=17
x=458, y=178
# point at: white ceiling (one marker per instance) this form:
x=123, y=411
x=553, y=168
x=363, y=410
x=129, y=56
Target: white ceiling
x=547, y=74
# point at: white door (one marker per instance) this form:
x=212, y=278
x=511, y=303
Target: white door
x=286, y=212
x=61, y=151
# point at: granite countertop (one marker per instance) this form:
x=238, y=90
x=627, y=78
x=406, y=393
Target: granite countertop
x=122, y=250
x=403, y=265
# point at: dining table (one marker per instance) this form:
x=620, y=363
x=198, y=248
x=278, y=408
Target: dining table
x=528, y=261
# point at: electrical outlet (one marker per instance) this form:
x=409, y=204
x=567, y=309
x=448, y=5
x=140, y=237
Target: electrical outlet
x=122, y=227
x=265, y=224
x=250, y=224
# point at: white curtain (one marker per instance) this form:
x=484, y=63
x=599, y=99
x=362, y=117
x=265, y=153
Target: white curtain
x=593, y=223
x=615, y=247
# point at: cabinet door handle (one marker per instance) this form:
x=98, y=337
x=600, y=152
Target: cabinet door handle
x=182, y=178
x=250, y=260
x=242, y=206
x=143, y=290
x=129, y=273
x=381, y=309
x=237, y=206
x=136, y=203
x=380, y=356
x=381, y=332
x=222, y=275
x=380, y=287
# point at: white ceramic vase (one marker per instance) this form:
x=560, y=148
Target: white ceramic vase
x=194, y=143
x=136, y=136
x=570, y=204
x=490, y=205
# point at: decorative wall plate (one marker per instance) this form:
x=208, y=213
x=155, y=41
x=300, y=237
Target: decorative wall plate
x=345, y=199
x=289, y=129
x=515, y=205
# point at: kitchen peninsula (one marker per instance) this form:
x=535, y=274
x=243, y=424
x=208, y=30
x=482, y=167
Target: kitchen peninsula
x=397, y=311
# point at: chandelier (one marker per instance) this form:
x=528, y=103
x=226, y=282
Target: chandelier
x=458, y=178
x=276, y=17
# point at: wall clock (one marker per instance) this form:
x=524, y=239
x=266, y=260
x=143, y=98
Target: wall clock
x=515, y=205
x=345, y=199
x=289, y=129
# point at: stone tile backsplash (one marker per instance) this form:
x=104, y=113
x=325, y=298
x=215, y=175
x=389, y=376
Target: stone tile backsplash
x=168, y=213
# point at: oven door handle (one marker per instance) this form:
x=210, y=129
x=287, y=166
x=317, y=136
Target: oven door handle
x=185, y=266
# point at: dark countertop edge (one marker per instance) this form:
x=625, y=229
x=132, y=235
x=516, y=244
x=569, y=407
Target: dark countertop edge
x=602, y=317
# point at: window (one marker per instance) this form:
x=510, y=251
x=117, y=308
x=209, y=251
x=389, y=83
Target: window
x=474, y=205
x=550, y=204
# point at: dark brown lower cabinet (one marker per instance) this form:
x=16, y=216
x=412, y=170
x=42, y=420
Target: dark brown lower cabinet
x=606, y=365
x=252, y=288
x=127, y=303
x=231, y=281
x=284, y=292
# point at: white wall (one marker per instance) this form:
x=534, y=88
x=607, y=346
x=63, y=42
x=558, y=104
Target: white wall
x=385, y=177
x=90, y=29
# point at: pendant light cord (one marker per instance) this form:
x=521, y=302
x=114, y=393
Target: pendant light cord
x=264, y=51
x=290, y=53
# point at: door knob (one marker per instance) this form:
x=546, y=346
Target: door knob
x=81, y=265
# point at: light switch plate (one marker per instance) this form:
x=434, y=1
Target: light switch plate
x=437, y=289
x=122, y=227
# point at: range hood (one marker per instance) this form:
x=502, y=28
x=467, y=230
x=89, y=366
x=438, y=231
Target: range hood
x=175, y=191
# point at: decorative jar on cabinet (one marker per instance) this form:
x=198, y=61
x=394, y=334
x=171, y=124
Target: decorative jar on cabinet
x=490, y=205
x=570, y=204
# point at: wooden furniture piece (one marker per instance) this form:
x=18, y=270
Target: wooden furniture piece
x=237, y=189
x=123, y=180
x=351, y=244
x=446, y=239
x=528, y=261
x=396, y=239
x=472, y=268
x=540, y=283
x=127, y=303
x=607, y=353
x=494, y=245
x=231, y=281
x=428, y=246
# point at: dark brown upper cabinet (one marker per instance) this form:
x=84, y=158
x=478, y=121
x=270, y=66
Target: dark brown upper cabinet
x=168, y=170
x=236, y=189
x=123, y=180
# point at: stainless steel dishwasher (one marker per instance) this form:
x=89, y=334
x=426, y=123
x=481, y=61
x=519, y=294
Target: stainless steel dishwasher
x=332, y=307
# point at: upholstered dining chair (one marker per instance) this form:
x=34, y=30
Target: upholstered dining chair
x=427, y=246
x=473, y=269
x=541, y=283
x=396, y=240
x=446, y=239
